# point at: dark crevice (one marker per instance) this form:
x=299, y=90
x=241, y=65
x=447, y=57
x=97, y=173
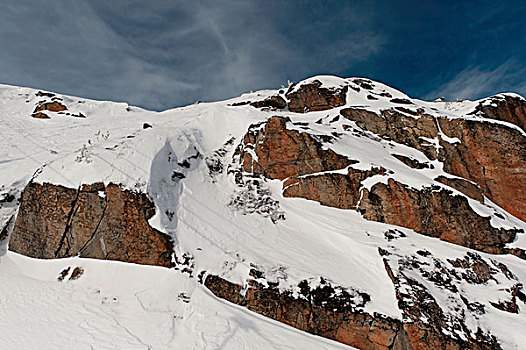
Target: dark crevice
x=95, y=230
x=67, y=229
x=5, y=231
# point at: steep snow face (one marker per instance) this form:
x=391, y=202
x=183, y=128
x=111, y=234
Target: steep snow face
x=183, y=158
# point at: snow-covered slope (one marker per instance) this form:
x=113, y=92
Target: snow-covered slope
x=115, y=305
x=118, y=305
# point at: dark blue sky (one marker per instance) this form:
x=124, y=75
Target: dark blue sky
x=160, y=54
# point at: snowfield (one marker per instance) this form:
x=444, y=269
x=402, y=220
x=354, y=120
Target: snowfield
x=114, y=305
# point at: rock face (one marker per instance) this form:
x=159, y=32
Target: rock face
x=391, y=124
x=273, y=101
x=313, y=97
x=466, y=187
x=435, y=213
x=275, y=152
x=282, y=153
x=94, y=221
x=333, y=190
x=491, y=155
x=319, y=313
x=511, y=109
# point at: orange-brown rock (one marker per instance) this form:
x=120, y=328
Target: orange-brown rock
x=283, y=153
x=94, y=221
x=464, y=186
x=511, y=109
x=293, y=155
x=413, y=163
x=391, y=124
x=347, y=325
x=489, y=154
x=314, y=97
x=40, y=115
x=272, y=101
x=352, y=328
x=54, y=106
x=433, y=212
x=333, y=190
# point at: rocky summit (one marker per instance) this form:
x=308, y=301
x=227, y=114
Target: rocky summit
x=336, y=207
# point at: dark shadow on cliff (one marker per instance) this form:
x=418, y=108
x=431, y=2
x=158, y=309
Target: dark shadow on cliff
x=164, y=188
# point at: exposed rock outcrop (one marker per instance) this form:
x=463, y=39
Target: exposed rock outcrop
x=272, y=101
x=313, y=97
x=312, y=315
x=94, y=221
x=333, y=190
x=413, y=163
x=319, y=312
x=391, y=124
x=413, y=277
x=275, y=152
x=433, y=212
x=491, y=155
x=282, y=153
x=468, y=188
x=508, y=108
x=54, y=106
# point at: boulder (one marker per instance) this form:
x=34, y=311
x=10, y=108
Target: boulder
x=277, y=102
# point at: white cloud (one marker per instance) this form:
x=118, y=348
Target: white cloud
x=476, y=82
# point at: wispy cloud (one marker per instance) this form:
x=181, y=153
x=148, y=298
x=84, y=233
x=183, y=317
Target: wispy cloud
x=477, y=82
x=164, y=53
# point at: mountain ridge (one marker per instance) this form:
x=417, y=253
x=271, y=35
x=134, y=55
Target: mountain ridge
x=227, y=180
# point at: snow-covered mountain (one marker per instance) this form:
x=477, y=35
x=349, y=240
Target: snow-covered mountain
x=332, y=213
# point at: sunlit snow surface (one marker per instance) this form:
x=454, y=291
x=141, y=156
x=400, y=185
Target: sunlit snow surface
x=117, y=305
x=124, y=306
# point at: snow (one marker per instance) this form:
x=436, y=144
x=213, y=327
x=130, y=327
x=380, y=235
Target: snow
x=116, y=305
x=111, y=146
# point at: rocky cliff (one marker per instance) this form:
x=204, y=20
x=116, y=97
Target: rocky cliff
x=273, y=151
x=319, y=311
x=93, y=221
x=491, y=155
